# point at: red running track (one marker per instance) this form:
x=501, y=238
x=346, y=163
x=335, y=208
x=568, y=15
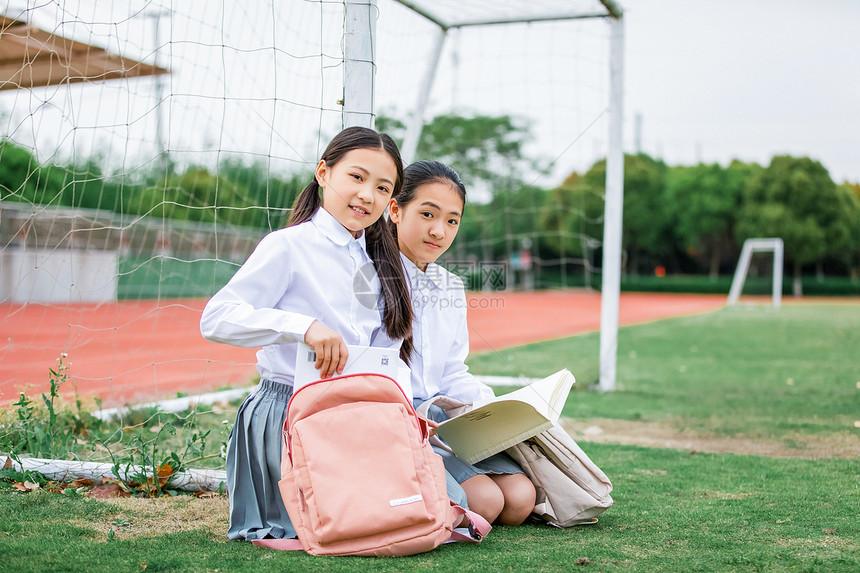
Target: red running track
x=137, y=351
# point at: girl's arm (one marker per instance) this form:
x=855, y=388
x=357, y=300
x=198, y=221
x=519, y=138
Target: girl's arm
x=457, y=382
x=245, y=313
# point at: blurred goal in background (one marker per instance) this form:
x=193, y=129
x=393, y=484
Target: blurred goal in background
x=148, y=146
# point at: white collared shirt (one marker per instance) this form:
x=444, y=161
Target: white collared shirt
x=313, y=271
x=440, y=335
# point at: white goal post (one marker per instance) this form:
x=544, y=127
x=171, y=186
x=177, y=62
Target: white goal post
x=774, y=245
x=612, y=12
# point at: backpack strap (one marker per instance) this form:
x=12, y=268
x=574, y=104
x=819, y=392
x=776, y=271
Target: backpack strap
x=474, y=532
x=282, y=544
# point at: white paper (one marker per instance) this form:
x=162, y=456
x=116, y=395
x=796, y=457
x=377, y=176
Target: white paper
x=361, y=360
x=404, y=379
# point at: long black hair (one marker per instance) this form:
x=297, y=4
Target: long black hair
x=381, y=245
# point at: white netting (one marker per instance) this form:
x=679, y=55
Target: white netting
x=551, y=79
x=127, y=201
x=148, y=190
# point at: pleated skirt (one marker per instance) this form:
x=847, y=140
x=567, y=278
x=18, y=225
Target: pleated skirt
x=254, y=465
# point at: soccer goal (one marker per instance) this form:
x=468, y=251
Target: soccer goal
x=554, y=68
x=774, y=246
x=148, y=147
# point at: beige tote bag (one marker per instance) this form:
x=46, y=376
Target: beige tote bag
x=571, y=489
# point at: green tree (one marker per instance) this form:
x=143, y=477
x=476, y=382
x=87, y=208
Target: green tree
x=272, y=194
x=646, y=226
x=571, y=219
x=702, y=201
x=24, y=179
x=513, y=215
x=87, y=187
x=848, y=250
x=196, y=195
x=488, y=152
x=238, y=194
x=795, y=199
x=481, y=148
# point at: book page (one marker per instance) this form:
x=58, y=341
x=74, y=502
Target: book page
x=551, y=393
x=485, y=431
x=506, y=420
x=547, y=395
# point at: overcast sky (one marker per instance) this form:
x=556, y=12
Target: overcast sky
x=711, y=80
x=714, y=80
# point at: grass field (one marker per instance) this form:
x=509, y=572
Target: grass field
x=753, y=373
x=743, y=378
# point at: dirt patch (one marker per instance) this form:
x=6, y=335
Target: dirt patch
x=150, y=517
x=664, y=435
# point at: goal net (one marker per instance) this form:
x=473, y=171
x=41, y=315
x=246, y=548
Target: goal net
x=129, y=198
x=148, y=146
x=519, y=106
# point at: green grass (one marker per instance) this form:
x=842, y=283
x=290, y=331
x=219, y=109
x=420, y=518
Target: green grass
x=750, y=372
x=674, y=512
x=724, y=374
x=143, y=436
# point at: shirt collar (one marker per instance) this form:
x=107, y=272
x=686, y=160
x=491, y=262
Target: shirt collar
x=337, y=233
x=433, y=274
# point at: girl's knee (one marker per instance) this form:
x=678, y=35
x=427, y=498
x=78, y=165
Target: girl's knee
x=484, y=497
x=519, y=498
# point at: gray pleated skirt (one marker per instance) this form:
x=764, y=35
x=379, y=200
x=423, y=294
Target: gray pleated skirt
x=500, y=463
x=254, y=465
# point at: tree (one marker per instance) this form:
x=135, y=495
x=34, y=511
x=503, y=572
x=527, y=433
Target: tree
x=646, y=225
x=571, y=220
x=488, y=152
x=702, y=201
x=849, y=220
x=196, y=195
x=87, y=187
x=23, y=178
x=795, y=199
x=272, y=195
x=482, y=149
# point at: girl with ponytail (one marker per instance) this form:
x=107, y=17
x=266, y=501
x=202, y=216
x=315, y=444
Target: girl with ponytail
x=424, y=217
x=331, y=277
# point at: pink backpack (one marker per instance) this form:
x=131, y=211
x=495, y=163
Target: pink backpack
x=358, y=474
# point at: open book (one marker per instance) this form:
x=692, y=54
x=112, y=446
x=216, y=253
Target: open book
x=503, y=421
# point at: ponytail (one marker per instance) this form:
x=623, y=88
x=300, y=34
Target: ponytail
x=305, y=205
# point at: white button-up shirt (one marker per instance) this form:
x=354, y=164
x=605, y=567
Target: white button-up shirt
x=313, y=271
x=441, y=336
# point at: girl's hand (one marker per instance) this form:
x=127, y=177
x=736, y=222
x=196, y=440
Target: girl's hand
x=431, y=425
x=329, y=347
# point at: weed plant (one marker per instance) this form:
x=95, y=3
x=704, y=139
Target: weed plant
x=146, y=447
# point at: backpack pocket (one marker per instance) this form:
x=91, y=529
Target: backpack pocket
x=352, y=491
